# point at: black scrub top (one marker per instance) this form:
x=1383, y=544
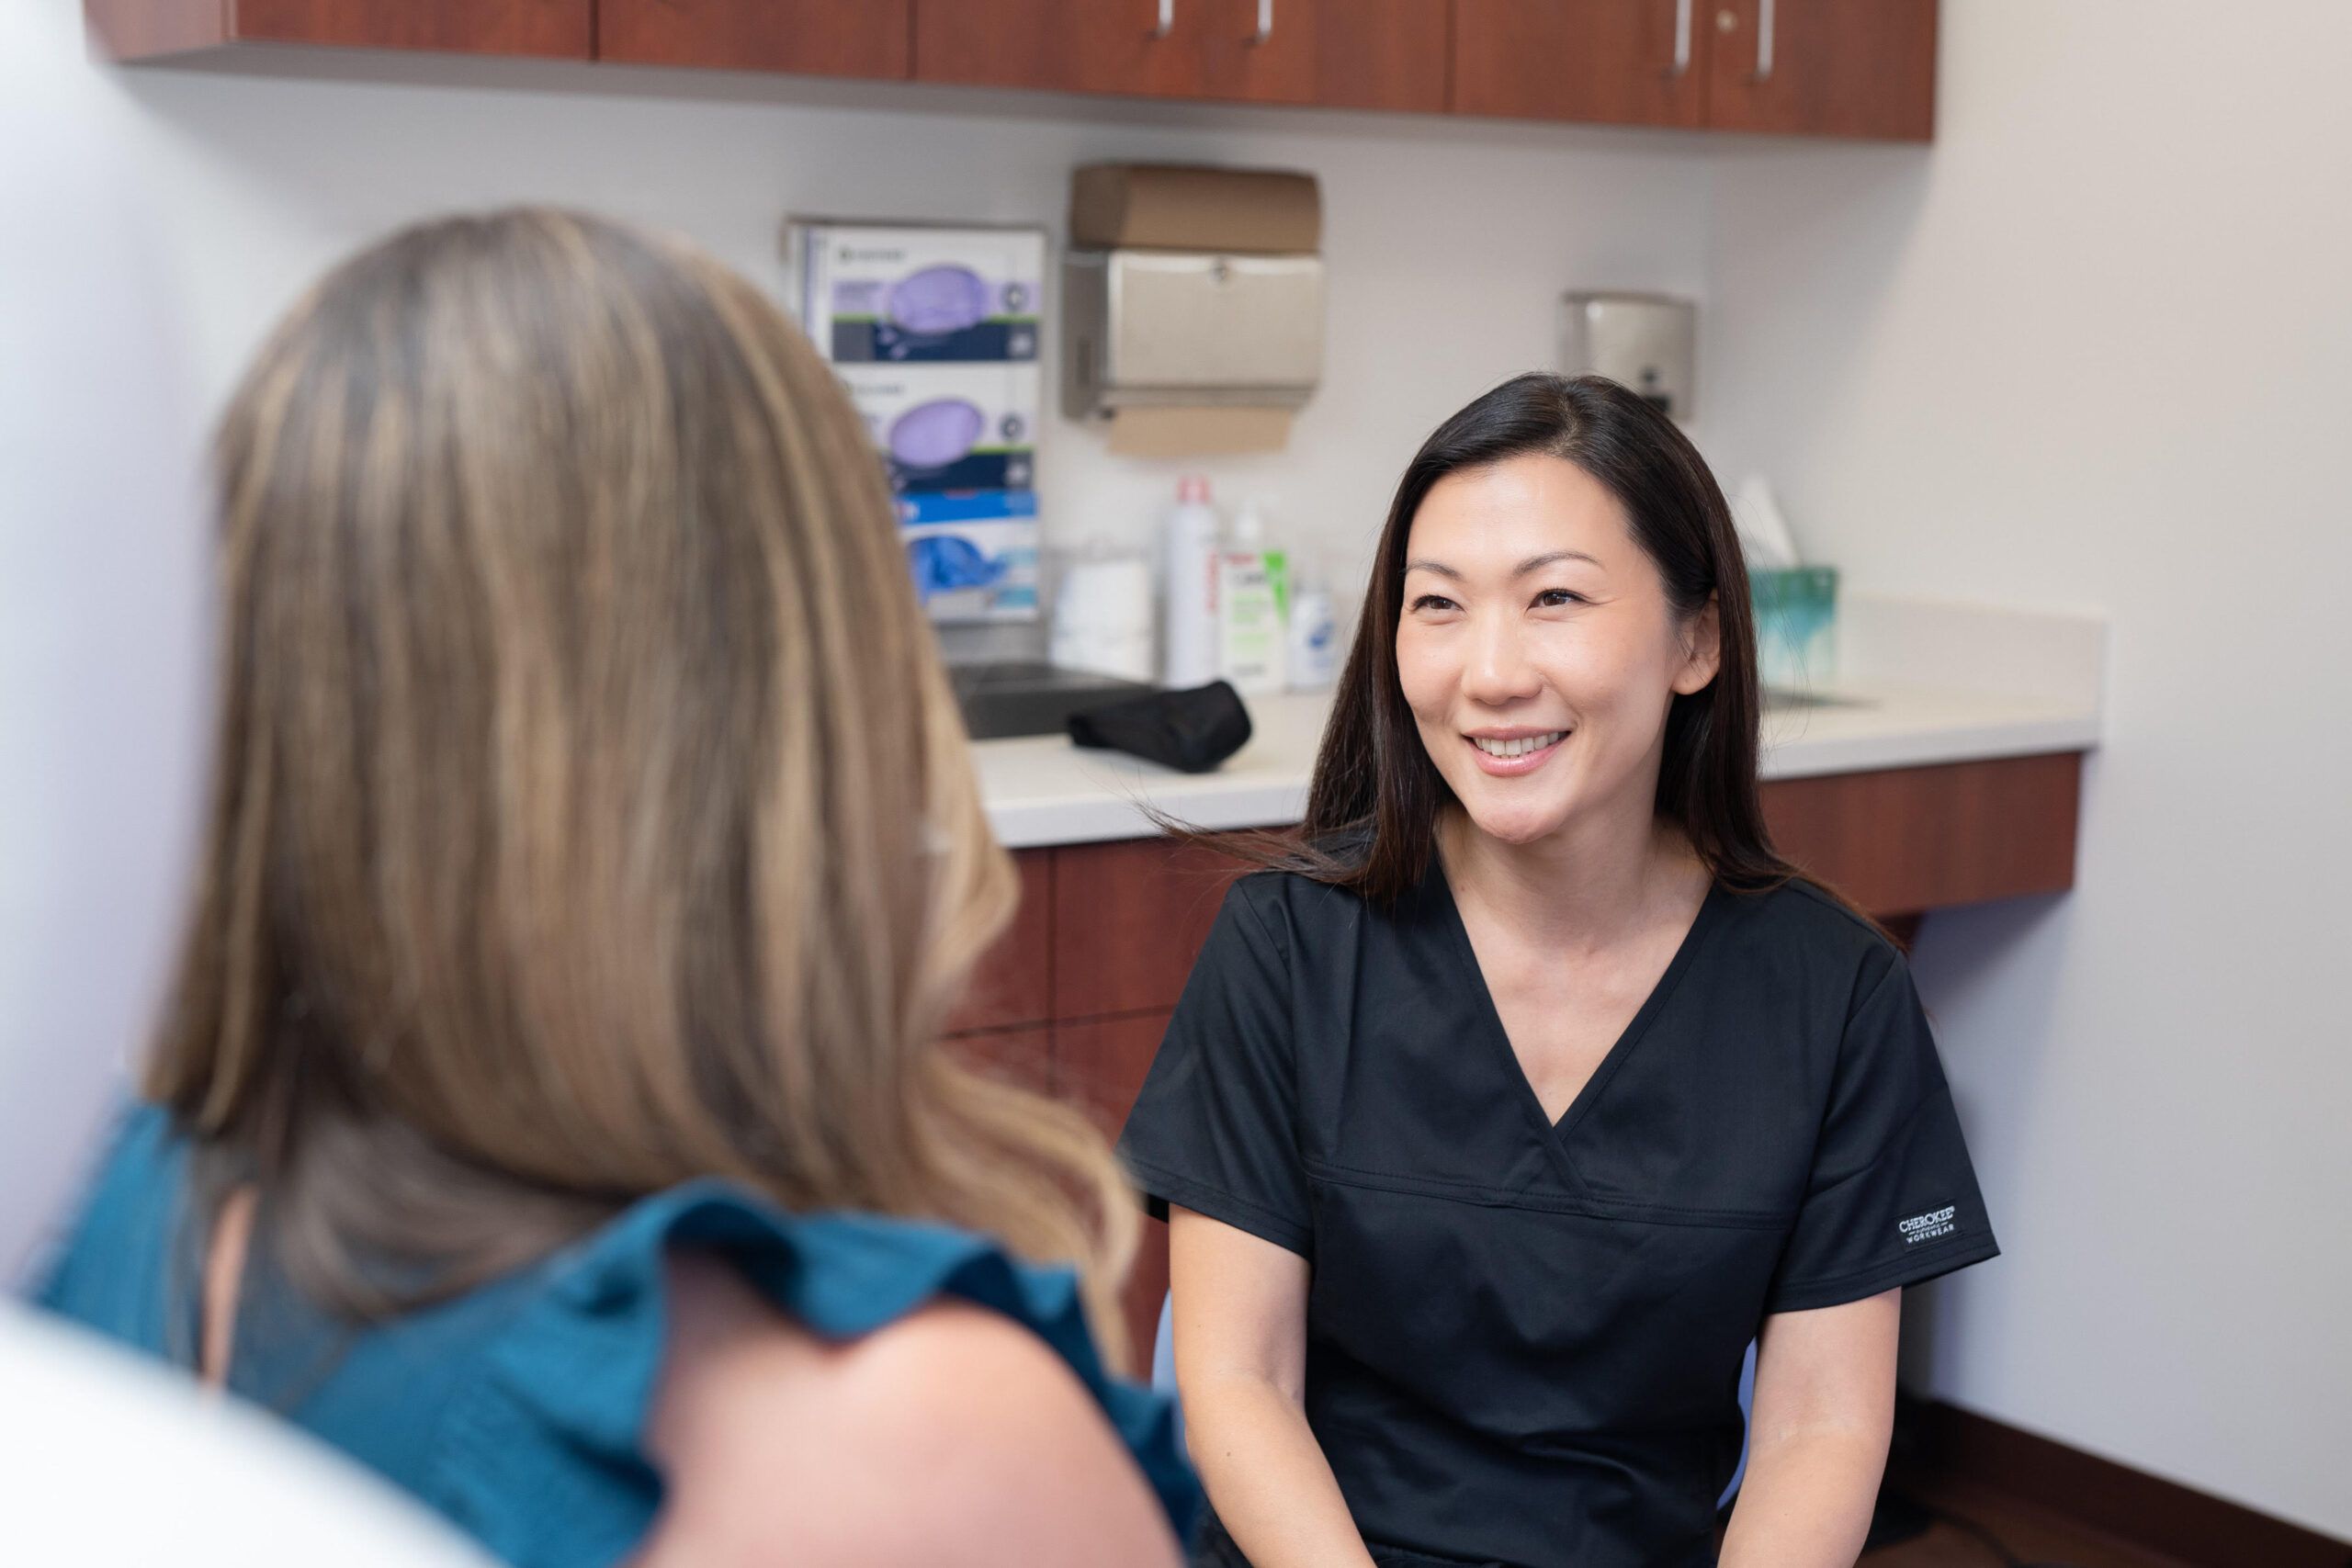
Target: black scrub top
x=1524, y=1341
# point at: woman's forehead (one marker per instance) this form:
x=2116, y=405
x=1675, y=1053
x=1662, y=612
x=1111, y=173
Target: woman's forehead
x=1494, y=517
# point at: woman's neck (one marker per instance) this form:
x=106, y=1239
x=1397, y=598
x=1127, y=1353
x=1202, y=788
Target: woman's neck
x=1575, y=890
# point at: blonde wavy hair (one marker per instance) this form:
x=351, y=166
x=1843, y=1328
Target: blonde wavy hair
x=591, y=812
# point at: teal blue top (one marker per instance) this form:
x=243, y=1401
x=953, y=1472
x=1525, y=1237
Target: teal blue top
x=519, y=1409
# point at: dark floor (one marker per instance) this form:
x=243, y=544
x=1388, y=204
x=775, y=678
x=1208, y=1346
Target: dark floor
x=2032, y=1534
x=2023, y=1535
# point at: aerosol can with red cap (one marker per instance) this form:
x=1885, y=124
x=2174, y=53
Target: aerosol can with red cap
x=1188, y=588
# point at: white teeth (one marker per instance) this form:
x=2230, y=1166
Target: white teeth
x=1520, y=747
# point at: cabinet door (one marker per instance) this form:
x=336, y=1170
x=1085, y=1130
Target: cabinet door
x=1020, y=1057
x=519, y=26
x=1129, y=917
x=1259, y=52
x=1824, y=67
x=1907, y=840
x=1170, y=48
x=817, y=38
x=1100, y=1066
x=1380, y=54
x=1013, y=983
x=1621, y=61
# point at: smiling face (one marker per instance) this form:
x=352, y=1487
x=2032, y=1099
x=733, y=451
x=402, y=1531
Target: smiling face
x=1538, y=651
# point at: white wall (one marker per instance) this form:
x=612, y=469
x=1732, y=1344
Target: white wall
x=101, y=578
x=2097, y=349
x=1448, y=245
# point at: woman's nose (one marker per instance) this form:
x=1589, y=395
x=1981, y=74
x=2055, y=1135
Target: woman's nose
x=1498, y=671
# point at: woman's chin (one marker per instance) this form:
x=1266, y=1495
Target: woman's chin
x=1516, y=823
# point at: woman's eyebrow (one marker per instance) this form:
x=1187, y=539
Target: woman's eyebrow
x=1551, y=557
x=1533, y=563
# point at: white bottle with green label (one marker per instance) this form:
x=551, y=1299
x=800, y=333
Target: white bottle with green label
x=1252, y=607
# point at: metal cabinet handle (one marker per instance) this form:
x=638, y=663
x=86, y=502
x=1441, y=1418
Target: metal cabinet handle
x=1265, y=21
x=1764, y=40
x=1681, y=39
x=1167, y=19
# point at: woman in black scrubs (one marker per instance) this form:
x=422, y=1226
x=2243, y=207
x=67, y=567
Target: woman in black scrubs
x=1495, y=1121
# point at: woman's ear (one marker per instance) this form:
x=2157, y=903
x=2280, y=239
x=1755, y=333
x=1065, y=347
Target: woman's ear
x=1702, y=649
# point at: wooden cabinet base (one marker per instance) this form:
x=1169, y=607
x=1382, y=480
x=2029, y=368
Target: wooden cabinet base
x=1012, y=985
x=1024, y=1057
x=1905, y=840
x=1128, y=919
x=1100, y=1064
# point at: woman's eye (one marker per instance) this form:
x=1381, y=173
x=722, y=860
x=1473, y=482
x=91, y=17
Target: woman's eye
x=1560, y=597
x=1433, y=602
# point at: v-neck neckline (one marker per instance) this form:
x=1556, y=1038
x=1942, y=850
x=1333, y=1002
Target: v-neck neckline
x=1627, y=1040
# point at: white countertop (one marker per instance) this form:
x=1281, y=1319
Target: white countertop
x=1919, y=682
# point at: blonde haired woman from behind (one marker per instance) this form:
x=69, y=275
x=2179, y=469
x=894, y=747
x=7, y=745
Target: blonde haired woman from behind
x=548, y=1110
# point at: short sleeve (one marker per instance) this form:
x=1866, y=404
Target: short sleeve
x=1892, y=1199
x=1214, y=1128
x=544, y=1454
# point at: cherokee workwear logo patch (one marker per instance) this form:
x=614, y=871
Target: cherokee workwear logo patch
x=1925, y=1227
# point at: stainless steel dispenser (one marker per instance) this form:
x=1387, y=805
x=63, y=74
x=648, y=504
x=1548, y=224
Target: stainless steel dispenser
x=1168, y=329
x=1646, y=340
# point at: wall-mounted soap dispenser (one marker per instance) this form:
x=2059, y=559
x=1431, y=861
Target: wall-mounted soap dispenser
x=1646, y=340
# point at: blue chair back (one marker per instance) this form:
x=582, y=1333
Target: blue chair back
x=1747, y=1422
x=1163, y=1359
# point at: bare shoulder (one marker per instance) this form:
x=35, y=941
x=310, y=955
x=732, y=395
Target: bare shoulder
x=954, y=1436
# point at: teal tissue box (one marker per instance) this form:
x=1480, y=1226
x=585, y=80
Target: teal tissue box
x=1796, y=625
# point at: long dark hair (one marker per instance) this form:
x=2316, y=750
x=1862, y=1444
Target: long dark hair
x=1372, y=810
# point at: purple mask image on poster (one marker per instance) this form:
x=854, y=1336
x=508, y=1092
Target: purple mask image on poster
x=939, y=300
x=933, y=435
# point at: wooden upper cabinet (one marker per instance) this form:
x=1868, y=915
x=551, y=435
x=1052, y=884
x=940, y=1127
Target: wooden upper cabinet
x=818, y=38
x=1206, y=49
x=1617, y=62
x=137, y=29
x=1380, y=54
x=1850, y=68
x=1861, y=68
x=1257, y=50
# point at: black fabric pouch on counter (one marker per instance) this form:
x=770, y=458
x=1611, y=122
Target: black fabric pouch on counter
x=1190, y=731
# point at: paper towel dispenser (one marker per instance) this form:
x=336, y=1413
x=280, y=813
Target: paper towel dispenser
x=1170, y=329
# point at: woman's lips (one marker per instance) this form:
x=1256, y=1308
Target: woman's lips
x=1511, y=767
